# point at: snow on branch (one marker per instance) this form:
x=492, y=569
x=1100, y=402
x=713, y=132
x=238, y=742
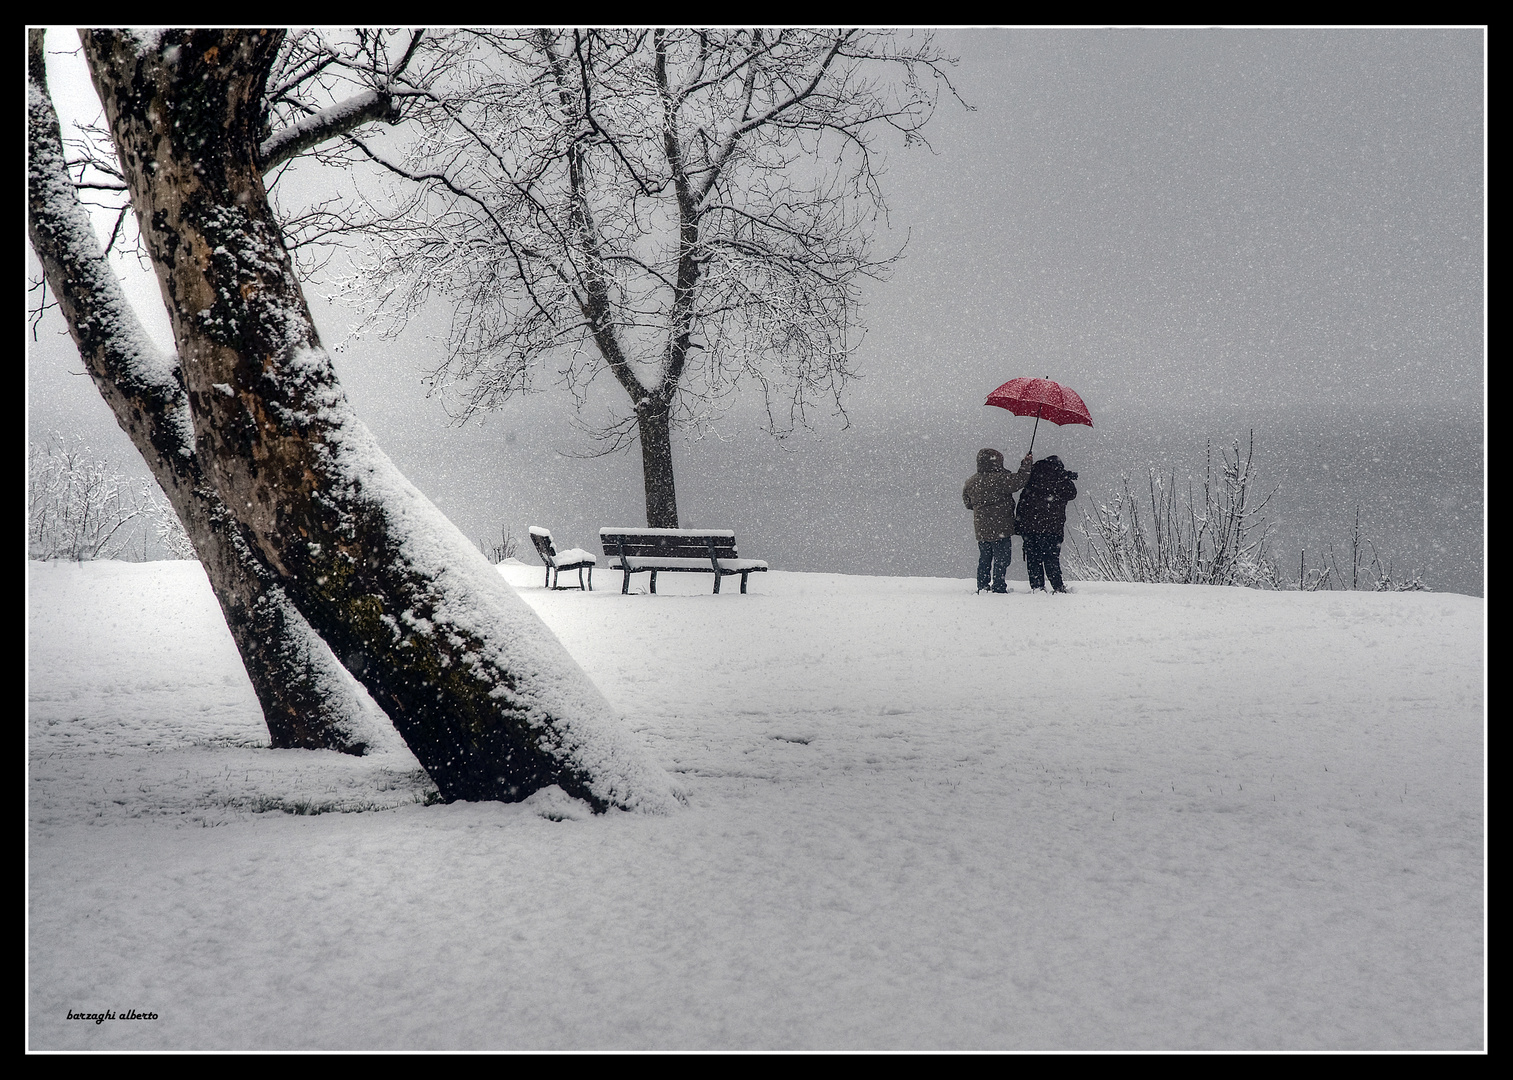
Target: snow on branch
x=310, y=131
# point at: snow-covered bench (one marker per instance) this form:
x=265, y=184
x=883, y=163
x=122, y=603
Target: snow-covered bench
x=676, y=551
x=558, y=561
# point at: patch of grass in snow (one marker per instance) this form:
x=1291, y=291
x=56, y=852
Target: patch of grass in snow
x=301, y=807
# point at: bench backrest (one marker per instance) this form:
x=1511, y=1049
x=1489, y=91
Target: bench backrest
x=544, y=546
x=669, y=543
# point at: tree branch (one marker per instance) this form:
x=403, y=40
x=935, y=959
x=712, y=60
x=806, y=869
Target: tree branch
x=327, y=124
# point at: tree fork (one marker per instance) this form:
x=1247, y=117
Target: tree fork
x=306, y=698
x=326, y=510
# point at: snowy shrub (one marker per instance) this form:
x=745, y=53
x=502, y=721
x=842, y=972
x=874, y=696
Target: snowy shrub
x=1375, y=575
x=507, y=547
x=80, y=507
x=171, y=537
x=1155, y=536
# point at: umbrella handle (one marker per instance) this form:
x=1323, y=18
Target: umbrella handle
x=1037, y=427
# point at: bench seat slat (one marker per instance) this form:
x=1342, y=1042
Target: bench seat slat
x=658, y=562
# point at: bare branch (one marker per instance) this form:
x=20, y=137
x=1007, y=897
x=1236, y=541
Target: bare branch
x=325, y=125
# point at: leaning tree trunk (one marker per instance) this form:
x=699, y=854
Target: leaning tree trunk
x=307, y=698
x=481, y=691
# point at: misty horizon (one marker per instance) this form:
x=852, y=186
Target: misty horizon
x=1200, y=231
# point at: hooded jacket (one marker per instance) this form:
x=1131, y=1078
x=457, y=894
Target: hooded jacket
x=1042, y=507
x=989, y=494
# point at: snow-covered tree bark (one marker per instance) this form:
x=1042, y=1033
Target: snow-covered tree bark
x=307, y=699
x=481, y=691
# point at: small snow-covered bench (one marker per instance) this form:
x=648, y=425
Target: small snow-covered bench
x=676, y=551
x=558, y=561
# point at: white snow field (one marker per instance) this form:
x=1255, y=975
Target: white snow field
x=1133, y=817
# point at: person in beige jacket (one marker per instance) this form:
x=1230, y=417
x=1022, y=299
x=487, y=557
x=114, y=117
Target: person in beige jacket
x=989, y=494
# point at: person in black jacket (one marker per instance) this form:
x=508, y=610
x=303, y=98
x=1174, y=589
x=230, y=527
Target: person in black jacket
x=1041, y=519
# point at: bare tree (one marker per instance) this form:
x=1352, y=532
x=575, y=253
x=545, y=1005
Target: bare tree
x=81, y=507
x=483, y=694
x=77, y=507
x=688, y=209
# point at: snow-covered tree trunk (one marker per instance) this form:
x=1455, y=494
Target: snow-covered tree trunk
x=307, y=699
x=481, y=691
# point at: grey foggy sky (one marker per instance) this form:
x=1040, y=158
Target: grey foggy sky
x=1216, y=219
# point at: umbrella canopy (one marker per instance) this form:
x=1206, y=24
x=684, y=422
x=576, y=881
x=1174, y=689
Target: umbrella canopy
x=1043, y=399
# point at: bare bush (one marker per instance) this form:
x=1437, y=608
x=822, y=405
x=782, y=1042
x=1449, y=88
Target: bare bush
x=507, y=547
x=173, y=541
x=1375, y=574
x=80, y=507
x=1157, y=536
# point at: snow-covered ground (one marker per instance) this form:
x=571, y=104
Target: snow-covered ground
x=1135, y=816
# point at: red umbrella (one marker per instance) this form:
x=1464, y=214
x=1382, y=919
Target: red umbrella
x=1041, y=398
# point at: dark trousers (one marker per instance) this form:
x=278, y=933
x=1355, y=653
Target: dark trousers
x=993, y=558
x=1042, y=558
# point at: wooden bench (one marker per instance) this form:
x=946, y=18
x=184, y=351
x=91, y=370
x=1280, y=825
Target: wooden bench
x=676, y=551
x=558, y=561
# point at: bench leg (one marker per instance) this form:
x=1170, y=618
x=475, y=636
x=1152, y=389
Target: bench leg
x=625, y=587
x=590, y=578
x=654, y=583
x=743, y=584
x=717, y=577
